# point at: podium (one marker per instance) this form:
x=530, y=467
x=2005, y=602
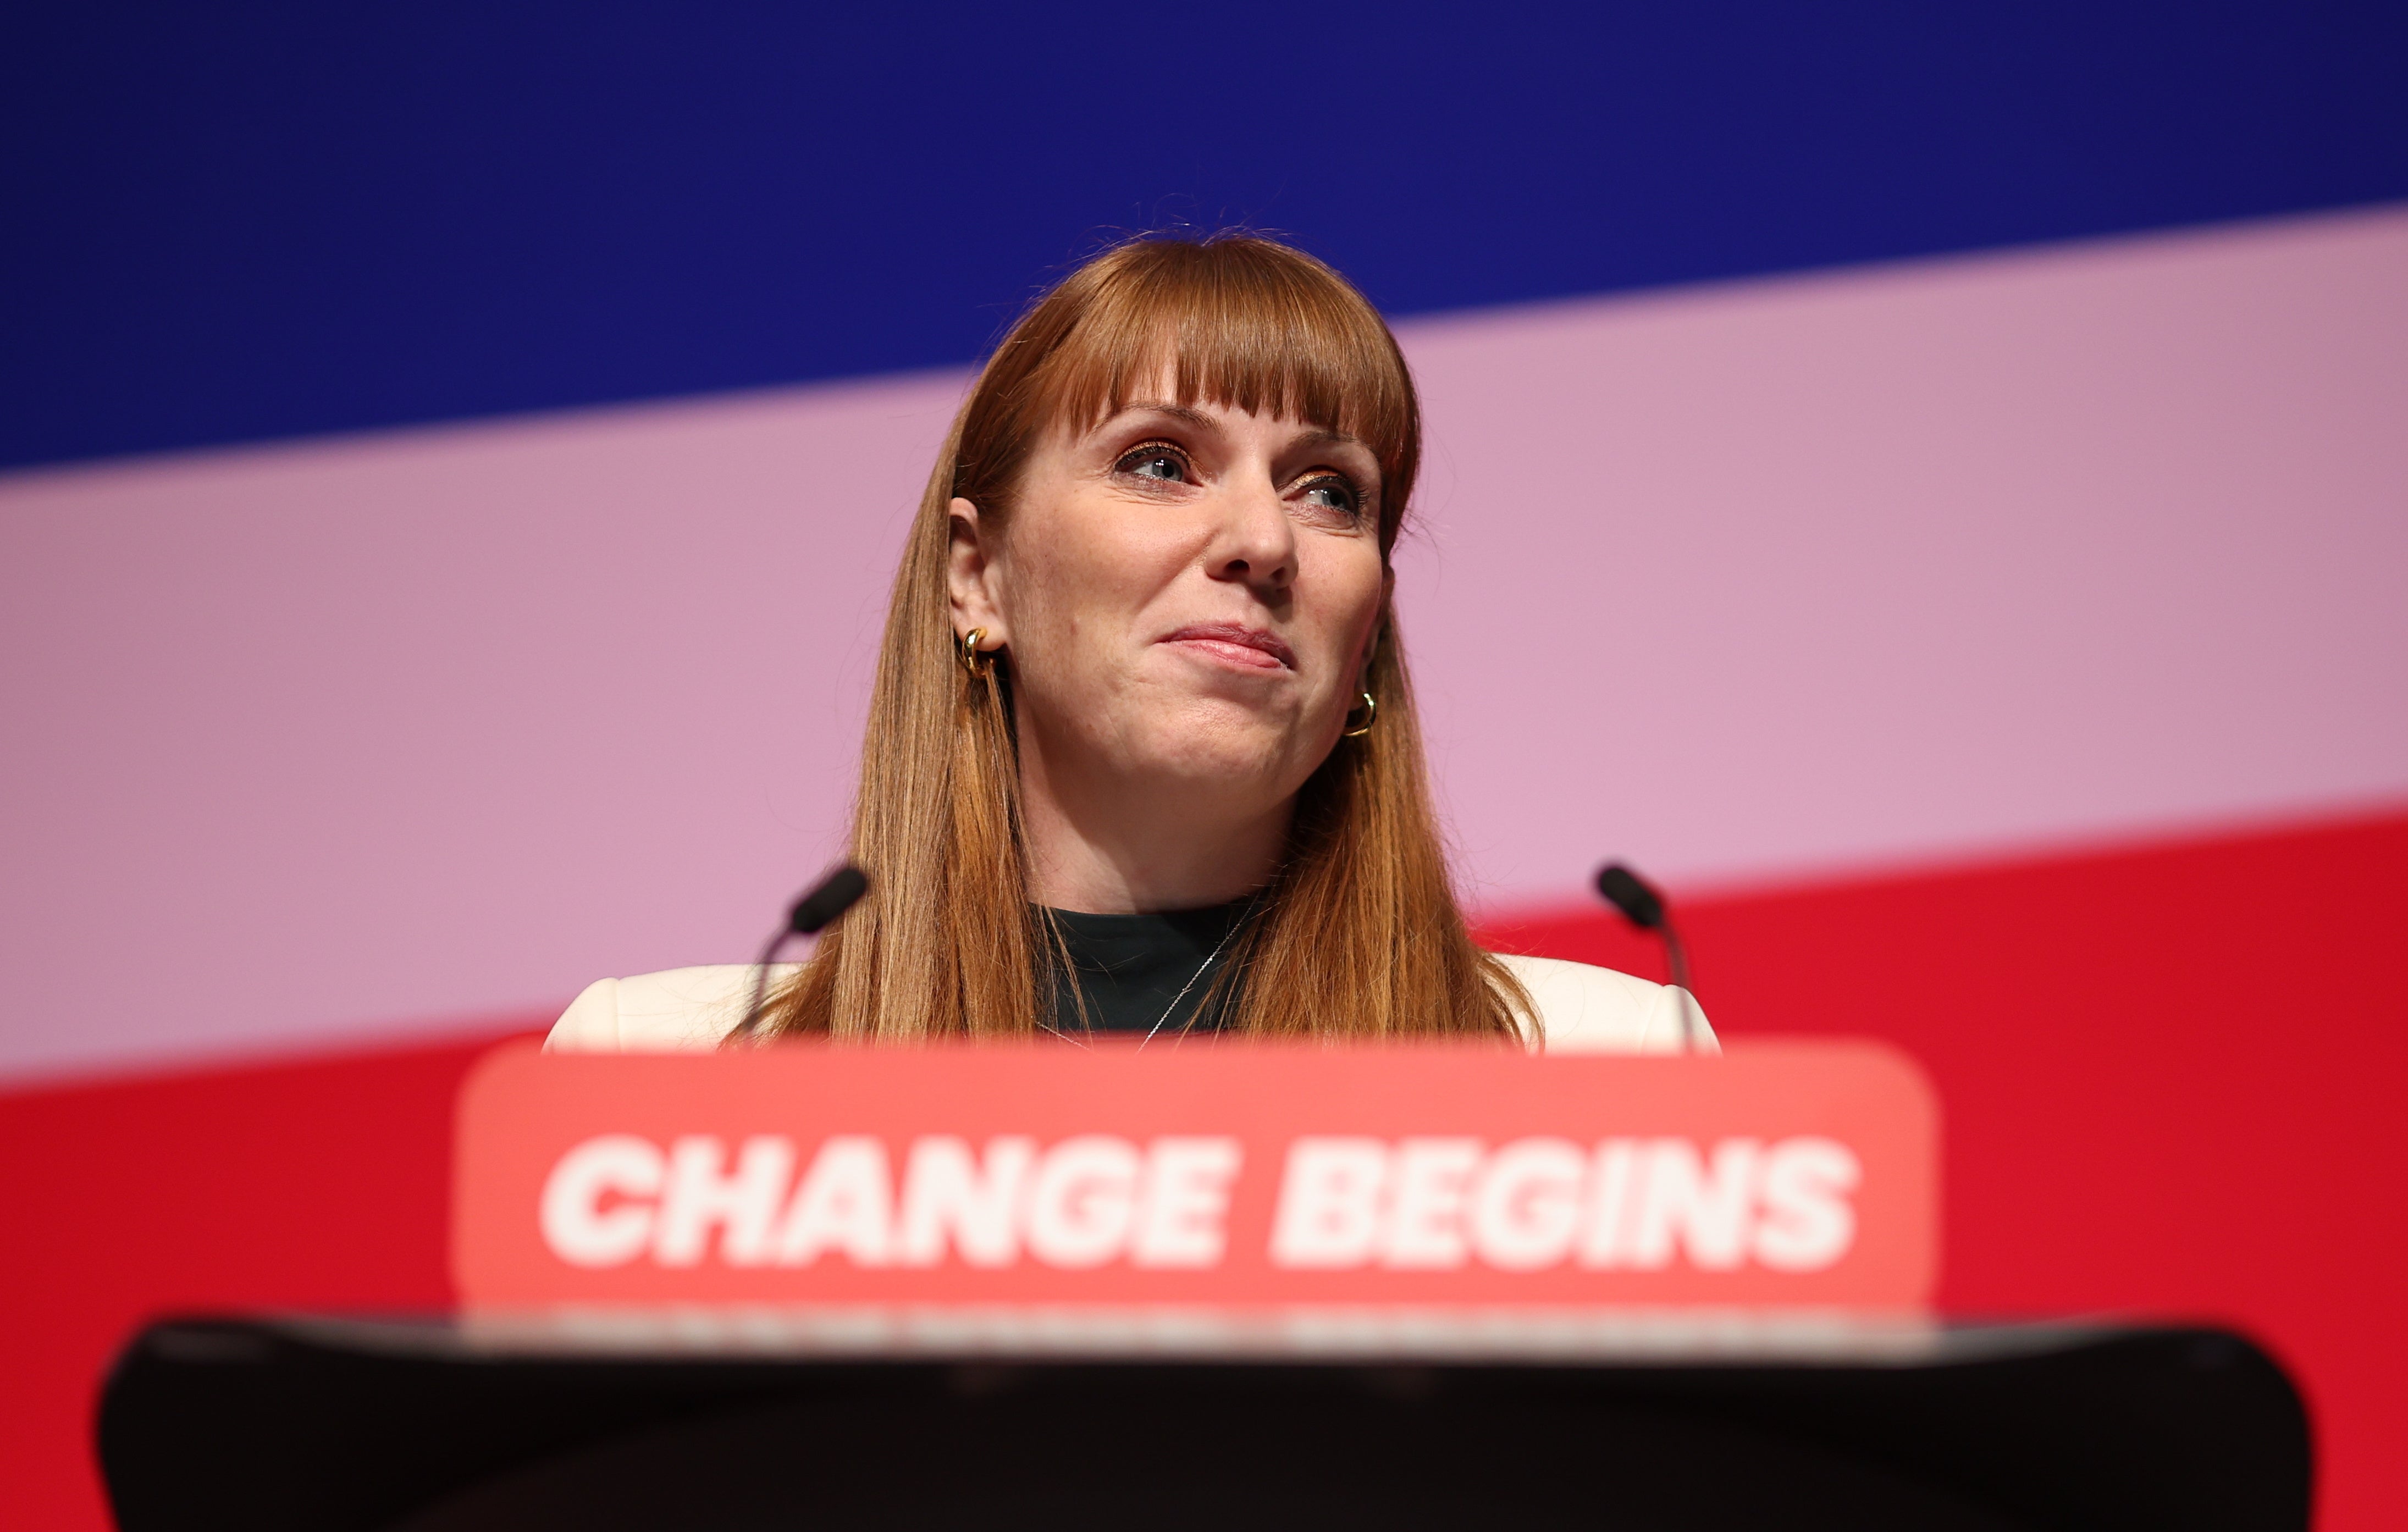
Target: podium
x=1237, y=1285
x=1665, y=1424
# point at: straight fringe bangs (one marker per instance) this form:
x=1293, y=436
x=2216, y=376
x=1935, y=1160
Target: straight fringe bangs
x=1360, y=933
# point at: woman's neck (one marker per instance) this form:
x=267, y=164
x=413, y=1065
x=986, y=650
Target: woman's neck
x=1106, y=844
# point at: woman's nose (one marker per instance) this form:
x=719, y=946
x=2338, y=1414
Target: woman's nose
x=1256, y=541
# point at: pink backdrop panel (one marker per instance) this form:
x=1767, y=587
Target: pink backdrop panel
x=435, y=723
x=1920, y=562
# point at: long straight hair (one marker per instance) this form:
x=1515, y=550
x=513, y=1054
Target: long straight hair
x=1359, y=933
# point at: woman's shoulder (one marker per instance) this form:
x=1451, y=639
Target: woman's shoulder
x=675, y=1010
x=1584, y=1009
x=1581, y=1009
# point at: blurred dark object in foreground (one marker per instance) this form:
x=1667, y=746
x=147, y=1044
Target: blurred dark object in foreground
x=1591, y=1421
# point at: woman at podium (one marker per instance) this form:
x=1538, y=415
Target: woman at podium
x=1142, y=756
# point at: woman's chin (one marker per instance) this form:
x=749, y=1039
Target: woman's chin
x=1218, y=761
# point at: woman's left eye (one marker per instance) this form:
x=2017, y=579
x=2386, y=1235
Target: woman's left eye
x=1164, y=464
x=1331, y=493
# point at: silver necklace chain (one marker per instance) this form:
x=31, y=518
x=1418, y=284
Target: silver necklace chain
x=1210, y=959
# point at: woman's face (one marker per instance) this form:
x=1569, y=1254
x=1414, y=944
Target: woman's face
x=1188, y=596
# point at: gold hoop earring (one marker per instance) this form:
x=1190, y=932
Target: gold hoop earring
x=1370, y=716
x=970, y=654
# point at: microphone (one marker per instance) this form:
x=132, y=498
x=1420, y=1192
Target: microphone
x=820, y=905
x=1642, y=905
x=814, y=912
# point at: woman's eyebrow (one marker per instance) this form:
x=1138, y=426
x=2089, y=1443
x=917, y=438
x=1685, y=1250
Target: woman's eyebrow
x=1323, y=436
x=1180, y=413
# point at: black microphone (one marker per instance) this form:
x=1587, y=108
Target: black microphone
x=1642, y=905
x=819, y=906
x=813, y=912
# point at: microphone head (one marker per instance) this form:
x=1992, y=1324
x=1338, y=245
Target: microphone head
x=835, y=894
x=1632, y=894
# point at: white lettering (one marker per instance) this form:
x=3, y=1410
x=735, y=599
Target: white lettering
x=576, y=1225
x=1706, y=1211
x=1426, y=1207
x=698, y=1197
x=1179, y=1219
x=947, y=1193
x=1328, y=1214
x=1426, y=1204
x=1082, y=1202
x=1605, y=1217
x=844, y=1203
x=1808, y=1221
x=1526, y=1207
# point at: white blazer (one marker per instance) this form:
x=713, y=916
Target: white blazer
x=1581, y=1009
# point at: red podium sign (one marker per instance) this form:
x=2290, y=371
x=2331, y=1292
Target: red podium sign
x=1781, y=1175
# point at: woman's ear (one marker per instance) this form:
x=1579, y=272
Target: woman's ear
x=970, y=575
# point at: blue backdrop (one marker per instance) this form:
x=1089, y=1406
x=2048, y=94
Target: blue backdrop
x=224, y=223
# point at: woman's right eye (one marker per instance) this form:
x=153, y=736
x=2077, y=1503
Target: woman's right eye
x=1156, y=461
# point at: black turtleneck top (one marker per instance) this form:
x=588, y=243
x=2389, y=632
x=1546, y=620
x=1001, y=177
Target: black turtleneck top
x=1135, y=971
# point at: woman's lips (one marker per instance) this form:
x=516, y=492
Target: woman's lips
x=1248, y=647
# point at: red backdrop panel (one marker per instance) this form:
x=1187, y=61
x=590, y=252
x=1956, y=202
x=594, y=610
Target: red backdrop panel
x=2167, y=1080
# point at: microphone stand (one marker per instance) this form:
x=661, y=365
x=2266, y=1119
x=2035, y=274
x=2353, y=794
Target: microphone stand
x=1643, y=906
x=814, y=912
